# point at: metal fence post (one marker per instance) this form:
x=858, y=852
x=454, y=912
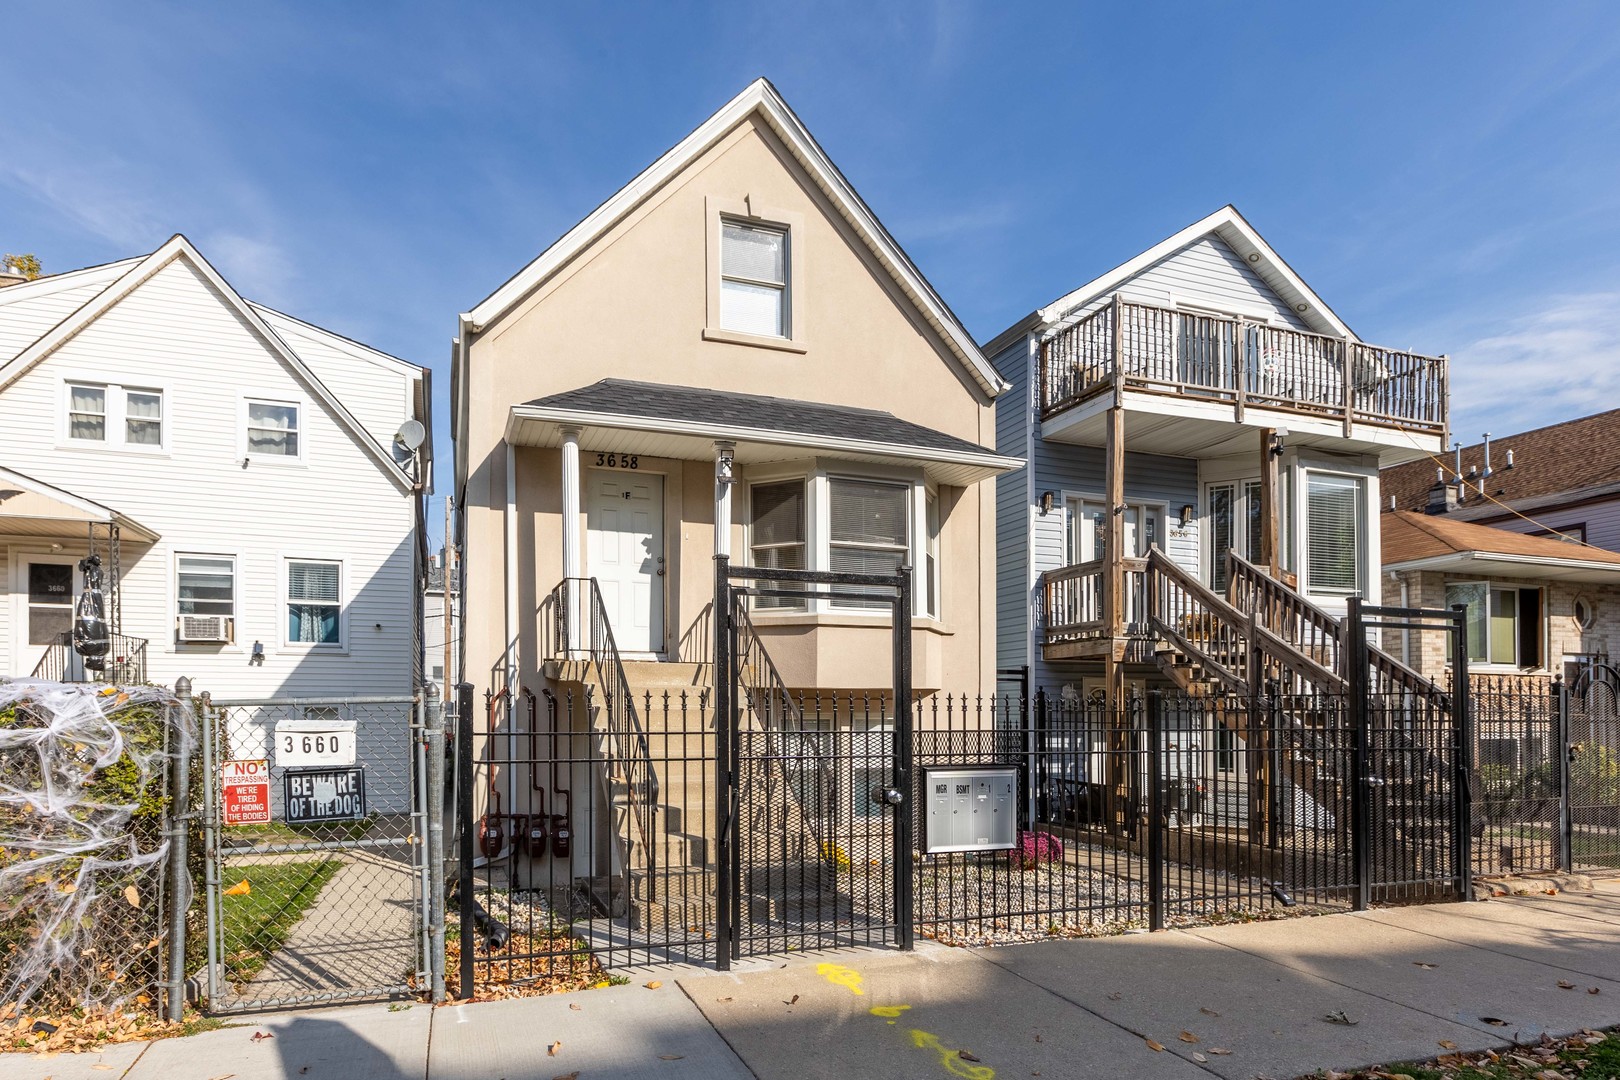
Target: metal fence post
x=1356, y=688
x=210, y=814
x=179, y=825
x=903, y=885
x=466, y=815
x=433, y=735
x=1566, y=819
x=724, y=779
x=1462, y=728
x=1157, y=818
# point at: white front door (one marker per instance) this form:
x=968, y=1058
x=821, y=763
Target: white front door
x=624, y=551
x=46, y=587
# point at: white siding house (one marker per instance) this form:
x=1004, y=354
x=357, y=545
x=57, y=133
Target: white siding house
x=236, y=470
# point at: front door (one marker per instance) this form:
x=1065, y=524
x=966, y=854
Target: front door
x=46, y=588
x=625, y=548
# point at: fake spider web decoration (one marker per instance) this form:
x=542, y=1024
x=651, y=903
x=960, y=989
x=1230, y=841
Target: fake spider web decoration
x=83, y=801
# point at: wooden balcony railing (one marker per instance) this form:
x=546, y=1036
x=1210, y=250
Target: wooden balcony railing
x=1145, y=348
x=1072, y=602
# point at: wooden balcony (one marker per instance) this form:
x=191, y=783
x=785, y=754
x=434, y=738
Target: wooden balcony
x=1211, y=370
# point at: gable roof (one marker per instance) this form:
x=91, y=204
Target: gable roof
x=138, y=272
x=1413, y=541
x=1552, y=465
x=1235, y=231
x=760, y=98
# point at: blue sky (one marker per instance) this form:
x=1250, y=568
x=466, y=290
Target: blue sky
x=1446, y=176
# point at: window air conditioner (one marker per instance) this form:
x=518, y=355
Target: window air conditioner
x=205, y=628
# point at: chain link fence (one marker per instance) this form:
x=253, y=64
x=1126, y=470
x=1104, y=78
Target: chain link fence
x=315, y=875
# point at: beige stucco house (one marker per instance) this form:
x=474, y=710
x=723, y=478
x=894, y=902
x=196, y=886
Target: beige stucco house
x=736, y=308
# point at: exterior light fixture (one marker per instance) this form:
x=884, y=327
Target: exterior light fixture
x=1277, y=438
x=1186, y=515
x=1047, y=499
x=724, y=466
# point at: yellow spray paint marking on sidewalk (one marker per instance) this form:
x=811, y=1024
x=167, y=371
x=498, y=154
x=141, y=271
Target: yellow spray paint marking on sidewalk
x=848, y=978
x=949, y=1059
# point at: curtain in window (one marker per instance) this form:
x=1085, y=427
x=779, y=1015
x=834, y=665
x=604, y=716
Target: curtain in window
x=313, y=603
x=143, y=418
x=1333, y=533
x=272, y=429
x=87, y=413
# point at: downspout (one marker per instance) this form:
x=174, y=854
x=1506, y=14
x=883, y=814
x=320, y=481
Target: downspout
x=509, y=623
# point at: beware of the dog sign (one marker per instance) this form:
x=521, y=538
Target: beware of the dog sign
x=316, y=795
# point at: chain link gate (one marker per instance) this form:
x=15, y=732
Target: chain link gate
x=314, y=871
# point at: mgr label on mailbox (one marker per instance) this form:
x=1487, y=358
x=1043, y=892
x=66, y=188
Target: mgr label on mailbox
x=316, y=795
x=969, y=808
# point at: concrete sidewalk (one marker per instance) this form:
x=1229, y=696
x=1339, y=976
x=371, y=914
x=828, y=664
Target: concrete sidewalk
x=1273, y=999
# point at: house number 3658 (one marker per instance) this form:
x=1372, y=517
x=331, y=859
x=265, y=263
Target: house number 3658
x=618, y=461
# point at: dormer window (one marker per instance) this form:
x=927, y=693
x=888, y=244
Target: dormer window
x=754, y=279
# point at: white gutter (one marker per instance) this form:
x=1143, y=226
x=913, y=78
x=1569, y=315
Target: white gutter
x=702, y=430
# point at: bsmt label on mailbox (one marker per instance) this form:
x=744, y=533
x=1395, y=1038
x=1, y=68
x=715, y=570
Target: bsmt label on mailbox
x=969, y=808
x=316, y=795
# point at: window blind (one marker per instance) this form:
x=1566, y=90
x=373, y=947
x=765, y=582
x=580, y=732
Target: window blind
x=1333, y=532
x=865, y=512
x=312, y=583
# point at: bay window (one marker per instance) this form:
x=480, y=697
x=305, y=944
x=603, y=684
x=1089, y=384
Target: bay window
x=868, y=533
x=777, y=536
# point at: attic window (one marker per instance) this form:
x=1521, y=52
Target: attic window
x=754, y=279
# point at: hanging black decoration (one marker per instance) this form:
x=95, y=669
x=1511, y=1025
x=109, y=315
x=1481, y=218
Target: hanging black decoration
x=91, y=638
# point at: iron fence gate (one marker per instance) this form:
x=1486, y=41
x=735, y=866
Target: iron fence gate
x=314, y=866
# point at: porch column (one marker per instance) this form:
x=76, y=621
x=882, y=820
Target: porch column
x=570, y=536
x=1270, y=554
x=724, y=478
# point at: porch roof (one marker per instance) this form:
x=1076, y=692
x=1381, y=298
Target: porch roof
x=622, y=416
x=30, y=507
x=1413, y=541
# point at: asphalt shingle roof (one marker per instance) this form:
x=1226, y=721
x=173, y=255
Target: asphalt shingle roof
x=1408, y=536
x=656, y=401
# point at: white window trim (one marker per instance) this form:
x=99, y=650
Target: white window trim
x=1366, y=523
x=785, y=606
x=717, y=211
x=299, y=403
x=342, y=643
x=115, y=403
x=818, y=520
x=237, y=633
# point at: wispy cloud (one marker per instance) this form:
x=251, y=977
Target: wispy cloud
x=1550, y=364
x=98, y=200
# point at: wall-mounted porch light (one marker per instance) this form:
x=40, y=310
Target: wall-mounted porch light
x=1186, y=515
x=1277, y=438
x=1047, y=499
x=724, y=465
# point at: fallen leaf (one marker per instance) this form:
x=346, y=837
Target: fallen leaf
x=1562, y=985
x=794, y=1001
x=575, y=1008
x=1115, y=996
x=1447, y=1044
x=670, y=1057
x=655, y=984
x=1423, y=965
x=723, y=999
x=1209, y=1012
x=133, y=895
x=1218, y=1050
x=568, y=1076
x=965, y=1056
x=1592, y=990
x=553, y=1048
x=1154, y=1046
x=1338, y=1017
x=1187, y=1037
x=1493, y=1021
x=1200, y=1058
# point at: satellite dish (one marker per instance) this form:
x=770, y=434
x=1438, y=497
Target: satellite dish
x=410, y=434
